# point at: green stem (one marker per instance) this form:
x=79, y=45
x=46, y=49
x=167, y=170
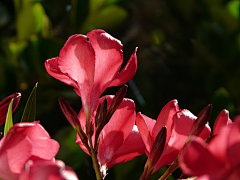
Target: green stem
x=170, y=170
x=146, y=173
x=95, y=161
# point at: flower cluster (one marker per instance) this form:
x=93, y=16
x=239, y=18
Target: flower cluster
x=110, y=130
x=27, y=151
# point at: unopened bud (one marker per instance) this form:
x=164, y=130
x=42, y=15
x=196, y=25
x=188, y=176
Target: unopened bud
x=69, y=113
x=72, y=118
x=101, y=113
x=118, y=98
x=201, y=121
x=100, y=121
x=157, y=147
x=155, y=153
x=5, y=103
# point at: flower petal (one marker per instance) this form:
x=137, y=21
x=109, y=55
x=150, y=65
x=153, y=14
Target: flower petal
x=183, y=121
x=51, y=66
x=221, y=121
x=48, y=170
x=196, y=159
x=182, y=124
x=109, y=58
x=77, y=61
x=116, y=130
x=79, y=142
x=133, y=146
x=145, y=126
x=165, y=118
x=127, y=72
x=42, y=146
x=14, y=154
x=45, y=149
x=234, y=144
x=33, y=130
x=219, y=144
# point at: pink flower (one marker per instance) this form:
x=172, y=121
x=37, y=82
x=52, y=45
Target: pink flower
x=91, y=63
x=178, y=124
x=5, y=103
x=47, y=170
x=23, y=142
x=218, y=160
x=120, y=140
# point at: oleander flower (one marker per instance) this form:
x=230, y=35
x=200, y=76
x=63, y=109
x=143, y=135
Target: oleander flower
x=91, y=63
x=47, y=170
x=5, y=103
x=218, y=160
x=178, y=125
x=24, y=142
x=119, y=140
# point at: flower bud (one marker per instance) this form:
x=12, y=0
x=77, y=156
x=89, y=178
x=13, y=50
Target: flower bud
x=100, y=121
x=118, y=98
x=201, y=121
x=158, y=146
x=155, y=153
x=69, y=113
x=5, y=103
x=101, y=113
x=72, y=118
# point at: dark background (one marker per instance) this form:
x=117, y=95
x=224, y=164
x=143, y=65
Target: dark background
x=188, y=50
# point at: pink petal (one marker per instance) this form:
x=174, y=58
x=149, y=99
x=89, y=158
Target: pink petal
x=196, y=160
x=236, y=118
x=51, y=66
x=234, y=174
x=165, y=118
x=43, y=146
x=234, y=144
x=183, y=121
x=127, y=72
x=13, y=154
x=182, y=124
x=45, y=149
x=109, y=58
x=77, y=61
x=117, y=130
x=145, y=126
x=219, y=144
x=82, y=119
x=221, y=121
x=133, y=146
x=79, y=142
x=33, y=130
x=48, y=170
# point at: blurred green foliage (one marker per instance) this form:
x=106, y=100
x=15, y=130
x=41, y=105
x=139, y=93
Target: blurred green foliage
x=188, y=50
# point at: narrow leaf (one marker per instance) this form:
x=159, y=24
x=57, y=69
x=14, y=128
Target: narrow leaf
x=29, y=113
x=9, y=121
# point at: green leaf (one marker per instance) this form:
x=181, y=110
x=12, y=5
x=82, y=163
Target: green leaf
x=30, y=19
x=107, y=18
x=9, y=121
x=234, y=7
x=29, y=113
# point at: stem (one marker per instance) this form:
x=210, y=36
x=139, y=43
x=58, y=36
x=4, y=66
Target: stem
x=146, y=174
x=95, y=161
x=170, y=170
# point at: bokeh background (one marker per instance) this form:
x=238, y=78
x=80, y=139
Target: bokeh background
x=188, y=50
